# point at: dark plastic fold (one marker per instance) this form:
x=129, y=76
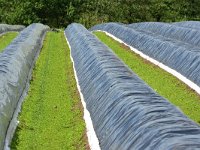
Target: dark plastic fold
x=125, y=111
x=178, y=55
x=15, y=64
x=7, y=28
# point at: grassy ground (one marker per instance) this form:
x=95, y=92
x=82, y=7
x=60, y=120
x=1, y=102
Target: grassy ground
x=162, y=82
x=52, y=116
x=6, y=39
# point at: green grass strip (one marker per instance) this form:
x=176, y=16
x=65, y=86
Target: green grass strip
x=52, y=113
x=161, y=81
x=6, y=39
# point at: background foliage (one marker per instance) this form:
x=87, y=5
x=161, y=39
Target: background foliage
x=60, y=13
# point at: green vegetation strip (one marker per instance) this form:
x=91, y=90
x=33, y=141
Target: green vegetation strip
x=6, y=39
x=52, y=113
x=162, y=82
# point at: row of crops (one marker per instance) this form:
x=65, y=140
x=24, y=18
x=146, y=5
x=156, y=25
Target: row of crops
x=16, y=62
x=6, y=39
x=176, y=47
x=126, y=112
x=164, y=83
x=4, y=28
x=51, y=116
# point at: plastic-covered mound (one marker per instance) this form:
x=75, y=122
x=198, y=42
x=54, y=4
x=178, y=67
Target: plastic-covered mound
x=185, y=59
x=188, y=24
x=126, y=112
x=15, y=65
x=187, y=35
x=6, y=28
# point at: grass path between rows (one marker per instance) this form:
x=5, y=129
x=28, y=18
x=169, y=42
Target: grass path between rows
x=6, y=39
x=162, y=82
x=52, y=113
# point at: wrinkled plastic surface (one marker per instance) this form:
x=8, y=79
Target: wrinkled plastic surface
x=15, y=63
x=188, y=24
x=187, y=35
x=180, y=56
x=6, y=28
x=126, y=112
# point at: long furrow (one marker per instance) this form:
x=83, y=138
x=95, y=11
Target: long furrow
x=52, y=116
x=6, y=39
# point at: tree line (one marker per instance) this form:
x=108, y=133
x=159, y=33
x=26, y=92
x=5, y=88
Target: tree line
x=60, y=13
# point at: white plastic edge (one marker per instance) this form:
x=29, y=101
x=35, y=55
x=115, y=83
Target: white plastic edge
x=92, y=138
x=191, y=84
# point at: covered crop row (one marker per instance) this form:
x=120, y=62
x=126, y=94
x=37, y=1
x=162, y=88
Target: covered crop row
x=188, y=24
x=161, y=81
x=170, y=40
x=16, y=62
x=126, y=112
x=183, y=60
x=6, y=28
x=187, y=35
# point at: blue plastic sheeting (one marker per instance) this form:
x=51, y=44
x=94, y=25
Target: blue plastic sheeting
x=6, y=28
x=185, y=59
x=125, y=111
x=162, y=38
x=188, y=24
x=187, y=35
x=15, y=64
x=175, y=42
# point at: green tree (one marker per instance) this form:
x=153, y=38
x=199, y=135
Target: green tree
x=60, y=13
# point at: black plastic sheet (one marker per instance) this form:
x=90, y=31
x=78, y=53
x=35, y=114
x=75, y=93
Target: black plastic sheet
x=180, y=56
x=15, y=63
x=125, y=111
x=7, y=28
